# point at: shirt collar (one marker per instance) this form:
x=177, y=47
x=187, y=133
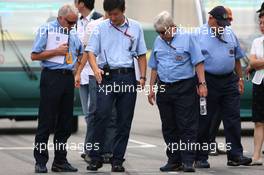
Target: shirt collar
x=126, y=23
x=89, y=17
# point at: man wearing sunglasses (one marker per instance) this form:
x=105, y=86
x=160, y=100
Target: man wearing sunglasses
x=56, y=88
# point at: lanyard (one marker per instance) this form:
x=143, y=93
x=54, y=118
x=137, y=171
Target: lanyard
x=125, y=33
x=169, y=44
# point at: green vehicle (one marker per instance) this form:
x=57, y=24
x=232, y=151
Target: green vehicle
x=245, y=25
x=19, y=76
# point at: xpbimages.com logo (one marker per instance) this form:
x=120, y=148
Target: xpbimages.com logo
x=58, y=146
x=124, y=88
x=189, y=146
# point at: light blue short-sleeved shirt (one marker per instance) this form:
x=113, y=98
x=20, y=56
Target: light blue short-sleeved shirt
x=219, y=56
x=176, y=61
x=75, y=46
x=112, y=44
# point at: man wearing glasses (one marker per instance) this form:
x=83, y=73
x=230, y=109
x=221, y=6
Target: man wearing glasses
x=56, y=87
x=116, y=41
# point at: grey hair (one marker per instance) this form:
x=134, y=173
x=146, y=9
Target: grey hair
x=163, y=21
x=67, y=9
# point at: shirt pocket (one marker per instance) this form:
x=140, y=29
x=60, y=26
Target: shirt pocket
x=179, y=56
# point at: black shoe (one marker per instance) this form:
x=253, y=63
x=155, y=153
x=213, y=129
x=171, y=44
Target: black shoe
x=83, y=155
x=94, y=165
x=118, y=168
x=240, y=160
x=65, y=167
x=39, y=168
x=188, y=167
x=107, y=158
x=87, y=158
x=171, y=167
x=202, y=164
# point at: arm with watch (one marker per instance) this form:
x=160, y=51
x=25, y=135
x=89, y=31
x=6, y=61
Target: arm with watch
x=202, y=88
x=142, y=61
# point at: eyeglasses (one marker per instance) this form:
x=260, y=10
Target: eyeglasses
x=70, y=22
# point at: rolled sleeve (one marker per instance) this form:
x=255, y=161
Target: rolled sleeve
x=195, y=50
x=152, y=61
x=141, y=45
x=94, y=42
x=40, y=40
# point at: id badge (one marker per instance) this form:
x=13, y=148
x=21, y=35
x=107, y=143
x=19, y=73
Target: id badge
x=69, y=59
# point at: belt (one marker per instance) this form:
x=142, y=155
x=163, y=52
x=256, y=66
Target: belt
x=220, y=75
x=61, y=71
x=122, y=70
x=170, y=84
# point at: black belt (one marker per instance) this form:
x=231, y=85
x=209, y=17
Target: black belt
x=170, y=84
x=122, y=70
x=220, y=75
x=61, y=71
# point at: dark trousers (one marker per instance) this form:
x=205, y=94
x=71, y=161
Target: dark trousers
x=214, y=127
x=124, y=101
x=88, y=95
x=55, y=114
x=223, y=95
x=178, y=107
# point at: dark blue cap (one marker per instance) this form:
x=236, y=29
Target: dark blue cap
x=220, y=14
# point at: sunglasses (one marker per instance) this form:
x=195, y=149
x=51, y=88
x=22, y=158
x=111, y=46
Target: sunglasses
x=70, y=22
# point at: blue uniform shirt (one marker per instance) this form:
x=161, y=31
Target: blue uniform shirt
x=40, y=43
x=219, y=56
x=117, y=45
x=176, y=61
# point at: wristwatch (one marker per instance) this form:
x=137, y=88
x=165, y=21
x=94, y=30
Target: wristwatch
x=202, y=84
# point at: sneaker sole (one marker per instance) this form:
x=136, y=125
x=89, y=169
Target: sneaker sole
x=115, y=171
x=239, y=164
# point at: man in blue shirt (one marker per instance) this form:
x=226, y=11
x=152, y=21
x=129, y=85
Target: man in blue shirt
x=173, y=62
x=56, y=88
x=116, y=41
x=222, y=53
